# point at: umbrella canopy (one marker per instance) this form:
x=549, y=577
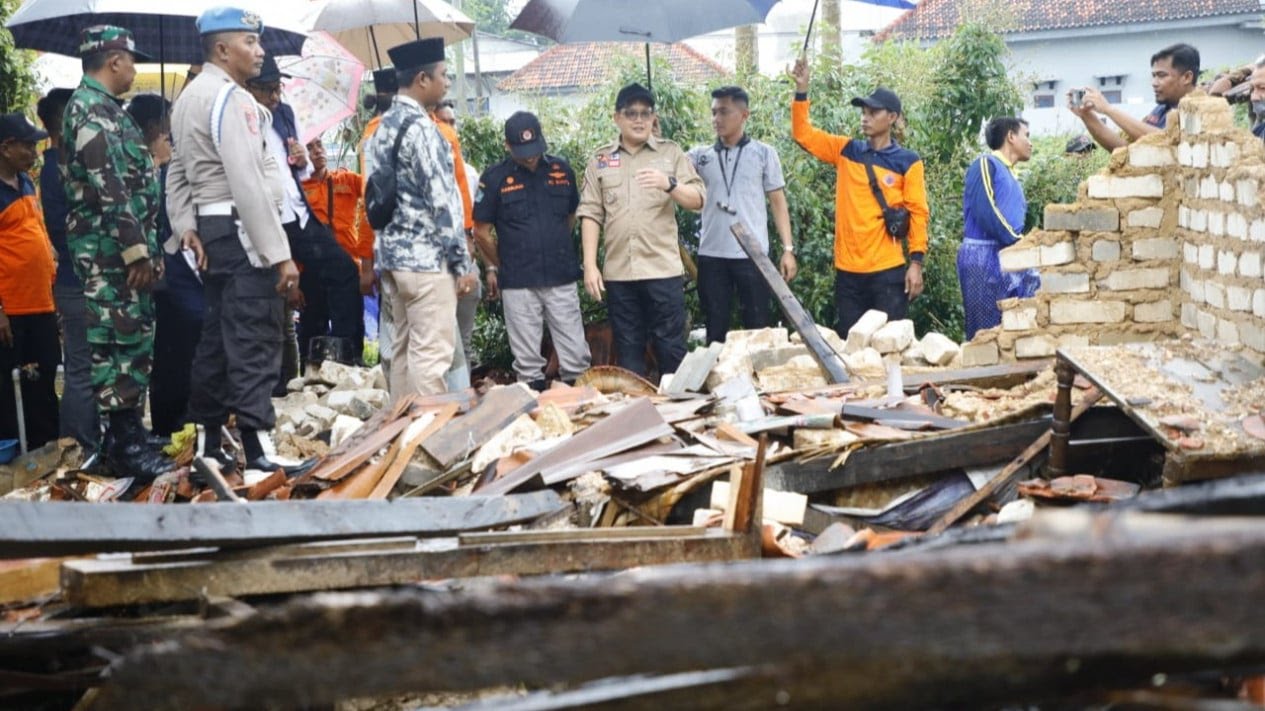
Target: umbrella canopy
x=636, y=20
x=324, y=86
x=163, y=29
x=367, y=28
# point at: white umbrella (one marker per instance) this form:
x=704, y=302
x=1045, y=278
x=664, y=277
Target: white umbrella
x=368, y=28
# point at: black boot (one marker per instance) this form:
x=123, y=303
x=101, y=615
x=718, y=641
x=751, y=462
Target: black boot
x=126, y=451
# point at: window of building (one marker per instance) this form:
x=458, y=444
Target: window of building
x=1043, y=101
x=1043, y=93
x=1113, y=96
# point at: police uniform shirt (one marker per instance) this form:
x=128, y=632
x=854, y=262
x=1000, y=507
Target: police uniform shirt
x=237, y=168
x=738, y=178
x=639, y=224
x=529, y=211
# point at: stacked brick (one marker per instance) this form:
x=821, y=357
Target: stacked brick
x=1169, y=238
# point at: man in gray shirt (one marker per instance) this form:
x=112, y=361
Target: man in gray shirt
x=740, y=174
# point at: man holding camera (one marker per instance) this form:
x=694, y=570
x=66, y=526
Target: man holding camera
x=1174, y=74
x=880, y=202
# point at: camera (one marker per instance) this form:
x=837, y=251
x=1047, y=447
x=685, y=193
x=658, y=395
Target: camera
x=1078, y=97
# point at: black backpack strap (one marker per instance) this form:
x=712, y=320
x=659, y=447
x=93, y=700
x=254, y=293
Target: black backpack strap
x=874, y=188
x=329, y=199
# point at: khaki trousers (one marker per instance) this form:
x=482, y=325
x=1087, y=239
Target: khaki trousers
x=424, y=315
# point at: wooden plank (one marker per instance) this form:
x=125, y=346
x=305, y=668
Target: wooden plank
x=1007, y=475
x=393, y=474
x=210, y=471
x=830, y=361
x=910, y=458
x=692, y=373
x=358, y=485
x=107, y=583
x=461, y=437
x=336, y=468
x=1006, y=375
x=981, y=626
x=749, y=497
x=22, y=580
x=634, y=425
x=732, y=433
x=32, y=529
x=870, y=414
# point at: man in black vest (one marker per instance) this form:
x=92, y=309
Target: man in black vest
x=311, y=243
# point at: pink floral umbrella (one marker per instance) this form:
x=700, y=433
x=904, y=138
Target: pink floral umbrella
x=324, y=87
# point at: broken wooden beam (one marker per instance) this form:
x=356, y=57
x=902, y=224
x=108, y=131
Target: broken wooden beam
x=830, y=361
x=33, y=529
x=870, y=414
x=461, y=437
x=975, y=626
x=306, y=568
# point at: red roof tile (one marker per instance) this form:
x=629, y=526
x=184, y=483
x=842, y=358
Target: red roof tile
x=587, y=64
x=938, y=18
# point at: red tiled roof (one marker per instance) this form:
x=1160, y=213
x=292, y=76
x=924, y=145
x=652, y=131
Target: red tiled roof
x=938, y=18
x=586, y=64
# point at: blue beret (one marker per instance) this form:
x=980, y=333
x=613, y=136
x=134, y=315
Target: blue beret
x=229, y=19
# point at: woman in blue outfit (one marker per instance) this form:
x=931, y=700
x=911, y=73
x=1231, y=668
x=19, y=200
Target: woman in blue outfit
x=993, y=208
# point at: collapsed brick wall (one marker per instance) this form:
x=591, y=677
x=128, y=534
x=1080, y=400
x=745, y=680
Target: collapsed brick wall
x=1167, y=239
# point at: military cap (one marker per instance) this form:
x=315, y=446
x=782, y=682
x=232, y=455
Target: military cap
x=15, y=127
x=633, y=93
x=385, y=82
x=103, y=38
x=229, y=19
x=417, y=53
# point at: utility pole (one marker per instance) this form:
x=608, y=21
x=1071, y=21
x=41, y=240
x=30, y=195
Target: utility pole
x=462, y=106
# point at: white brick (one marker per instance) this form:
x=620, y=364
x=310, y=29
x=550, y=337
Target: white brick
x=1214, y=294
x=1257, y=231
x=1190, y=253
x=1207, y=324
x=1053, y=255
x=1146, y=217
x=1247, y=190
x=1116, y=187
x=1227, y=331
x=1183, y=153
x=1133, y=279
x=1216, y=222
x=1236, y=225
x=1194, y=287
x=1190, y=187
x=1227, y=262
x=1068, y=283
x=861, y=332
x=1223, y=155
x=1207, y=256
x=1226, y=192
x=1250, y=264
x=1252, y=336
x=1155, y=248
x=1154, y=312
x=1183, y=216
x=1019, y=319
x=1189, y=315
x=1146, y=156
x=1017, y=259
x=1199, y=220
x=1199, y=155
x=1208, y=188
x=1105, y=250
x=938, y=349
x=1238, y=298
x=1258, y=303
x=893, y=337
x=1034, y=347
x=978, y=354
x=1087, y=311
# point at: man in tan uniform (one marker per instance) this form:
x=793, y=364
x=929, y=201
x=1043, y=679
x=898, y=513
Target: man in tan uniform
x=632, y=187
x=224, y=189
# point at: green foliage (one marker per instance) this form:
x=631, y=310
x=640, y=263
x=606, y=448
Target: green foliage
x=1053, y=177
x=17, y=84
x=948, y=90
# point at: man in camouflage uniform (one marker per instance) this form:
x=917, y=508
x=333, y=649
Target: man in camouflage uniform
x=112, y=235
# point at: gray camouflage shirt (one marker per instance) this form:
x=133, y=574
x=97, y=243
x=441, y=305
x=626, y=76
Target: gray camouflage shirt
x=427, y=231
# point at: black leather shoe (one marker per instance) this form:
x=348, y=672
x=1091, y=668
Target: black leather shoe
x=267, y=466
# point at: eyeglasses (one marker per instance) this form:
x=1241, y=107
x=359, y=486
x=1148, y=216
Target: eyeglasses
x=634, y=115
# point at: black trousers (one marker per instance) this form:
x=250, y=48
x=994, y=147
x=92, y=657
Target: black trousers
x=176, y=337
x=857, y=293
x=718, y=280
x=35, y=346
x=238, y=359
x=647, y=310
x=330, y=284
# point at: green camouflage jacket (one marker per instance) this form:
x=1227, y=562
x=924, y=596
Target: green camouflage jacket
x=111, y=184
